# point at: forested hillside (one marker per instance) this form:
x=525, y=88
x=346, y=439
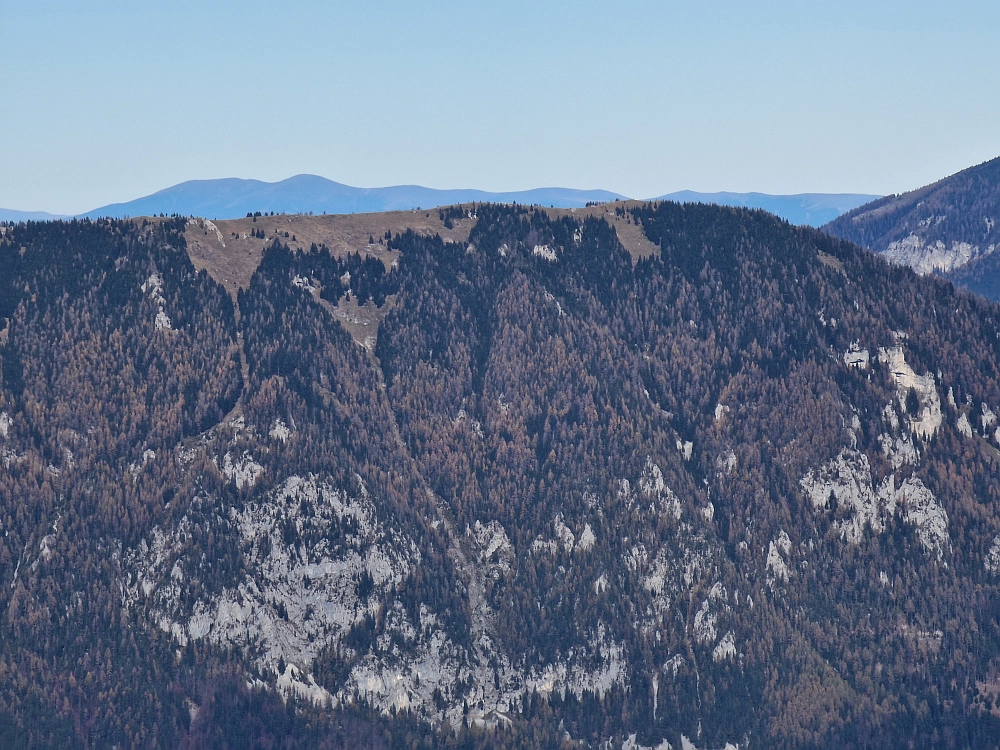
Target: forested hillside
x=947, y=228
x=739, y=490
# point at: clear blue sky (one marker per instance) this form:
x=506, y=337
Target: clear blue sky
x=109, y=100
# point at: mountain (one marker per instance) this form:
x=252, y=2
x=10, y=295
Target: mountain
x=493, y=480
x=234, y=198
x=812, y=209
x=948, y=228
x=7, y=214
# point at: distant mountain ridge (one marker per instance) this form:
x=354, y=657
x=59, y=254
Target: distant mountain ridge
x=8, y=214
x=812, y=209
x=233, y=198
x=948, y=228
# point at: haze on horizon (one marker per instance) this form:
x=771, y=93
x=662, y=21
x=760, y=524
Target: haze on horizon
x=116, y=100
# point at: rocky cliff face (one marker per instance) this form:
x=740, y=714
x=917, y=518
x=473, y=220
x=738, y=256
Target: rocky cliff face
x=736, y=492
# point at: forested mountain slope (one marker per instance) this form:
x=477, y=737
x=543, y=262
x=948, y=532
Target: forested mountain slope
x=741, y=490
x=947, y=228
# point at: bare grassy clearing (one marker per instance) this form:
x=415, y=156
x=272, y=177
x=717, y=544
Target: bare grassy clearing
x=629, y=229
x=231, y=250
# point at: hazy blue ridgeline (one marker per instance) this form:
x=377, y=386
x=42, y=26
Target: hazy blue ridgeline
x=234, y=198
x=813, y=209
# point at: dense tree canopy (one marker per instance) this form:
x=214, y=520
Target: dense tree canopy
x=589, y=463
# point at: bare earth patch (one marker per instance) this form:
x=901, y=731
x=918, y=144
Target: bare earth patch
x=230, y=250
x=629, y=230
x=232, y=253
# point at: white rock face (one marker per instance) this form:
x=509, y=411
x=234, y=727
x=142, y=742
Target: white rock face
x=571, y=675
x=319, y=563
x=45, y=548
x=706, y=619
x=243, y=469
x=676, y=563
x=5, y=424
x=564, y=539
x=652, y=487
x=147, y=456
x=563, y=534
x=656, y=581
x=209, y=226
x=963, y=426
x=294, y=598
x=847, y=479
x=587, y=539
x=927, y=422
x=686, y=448
x=153, y=286
x=549, y=297
x=495, y=549
x=921, y=509
x=855, y=356
x=726, y=648
x=924, y=258
x=988, y=418
x=544, y=546
x=309, y=285
x=901, y=452
x=280, y=431
x=293, y=683
x=726, y=463
x=891, y=417
x=545, y=252
x=777, y=552
x=631, y=743
x=704, y=624
x=601, y=584
x=992, y=562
